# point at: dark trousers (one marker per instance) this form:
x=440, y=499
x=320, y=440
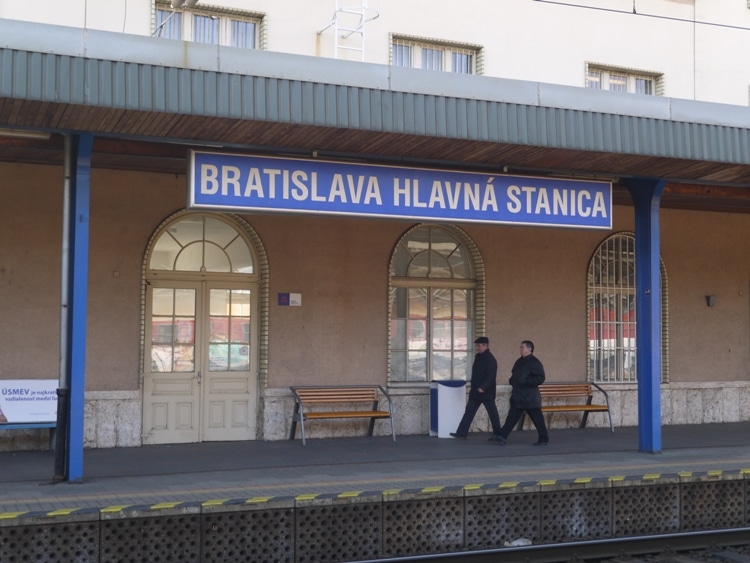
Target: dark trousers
x=472, y=406
x=536, y=416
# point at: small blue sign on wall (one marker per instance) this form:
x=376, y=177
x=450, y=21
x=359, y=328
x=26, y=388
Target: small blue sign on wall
x=234, y=182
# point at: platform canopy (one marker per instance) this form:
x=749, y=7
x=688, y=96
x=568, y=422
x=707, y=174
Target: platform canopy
x=148, y=100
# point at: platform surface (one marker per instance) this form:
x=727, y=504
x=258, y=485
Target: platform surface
x=150, y=475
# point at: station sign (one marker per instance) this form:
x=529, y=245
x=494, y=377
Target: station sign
x=245, y=183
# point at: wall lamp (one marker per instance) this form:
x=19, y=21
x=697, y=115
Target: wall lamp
x=710, y=300
x=23, y=134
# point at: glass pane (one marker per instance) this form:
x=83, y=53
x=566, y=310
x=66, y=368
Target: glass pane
x=187, y=230
x=461, y=62
x=243, y=34
x=461, y=335
x=219, y=331
x=161, y=330
x=239, y=331
x=239, y=358
x=441, y=304
x=401, y=261
x=443, y=242
x=164, y=253
x=185, y=302
x=399, y=303
x=418, y=240
x=168, y=24
x=218, y=357
x=162, y=301
x=161, y=358
x=441, y=335
x=184, y=359
x=439, y=266
x=398, y=334
x=432, y=59
x=240, y=303
x=215, y=259
x=398, y=366
x=618, y=83
x=240, y=256
x=460, y=305
x=219, y=232
x=185, y=331
x=417, y=303
x=417, y=330
x=190, y=259
x=594, y=80
x=420, y=266
x=219, y=302
x=460, y=266
x=442, y=366
x=461, y=365
x=206, y=29
x=401, y=55
x=417, y=366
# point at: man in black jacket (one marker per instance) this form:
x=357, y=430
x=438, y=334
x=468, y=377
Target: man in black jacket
x=526, y=377
x=483, y=389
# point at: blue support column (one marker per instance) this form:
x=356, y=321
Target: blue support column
x=78, y=297
x=646, y=194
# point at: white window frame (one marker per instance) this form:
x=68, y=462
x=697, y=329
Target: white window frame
x=418, y=48
x=186, y=27
x=620, y=79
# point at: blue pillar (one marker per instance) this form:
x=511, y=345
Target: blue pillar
x=646, y=194
x=78, y=296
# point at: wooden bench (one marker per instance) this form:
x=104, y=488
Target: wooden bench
x=575, y=390
x=307, y=396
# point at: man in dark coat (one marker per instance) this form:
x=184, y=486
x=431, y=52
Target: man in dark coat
x=483, y=389
x=526, y=377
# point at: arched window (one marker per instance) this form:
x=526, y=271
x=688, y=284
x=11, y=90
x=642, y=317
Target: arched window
x=612, y=313
x=199, y=243
x=436, y=289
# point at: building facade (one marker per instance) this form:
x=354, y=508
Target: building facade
x=200, y=319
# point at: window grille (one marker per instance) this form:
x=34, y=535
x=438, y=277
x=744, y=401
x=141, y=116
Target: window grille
x=611, y=312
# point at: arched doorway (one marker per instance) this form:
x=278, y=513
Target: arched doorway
x=202, y=333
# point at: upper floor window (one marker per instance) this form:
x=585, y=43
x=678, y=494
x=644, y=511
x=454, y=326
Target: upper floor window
x=623, y=80
x=208, y=26
x=449, y=57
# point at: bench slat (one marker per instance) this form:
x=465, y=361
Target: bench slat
x=306, y=396
x=566, y=391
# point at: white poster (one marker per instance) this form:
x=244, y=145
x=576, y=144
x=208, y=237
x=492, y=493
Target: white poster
x=28, y=400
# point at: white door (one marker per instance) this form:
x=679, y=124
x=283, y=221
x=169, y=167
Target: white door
x=200, y=373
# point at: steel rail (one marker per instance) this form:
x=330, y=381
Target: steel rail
x=589, y=549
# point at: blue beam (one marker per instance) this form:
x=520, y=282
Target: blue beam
x=646, y=194
x=78, y=287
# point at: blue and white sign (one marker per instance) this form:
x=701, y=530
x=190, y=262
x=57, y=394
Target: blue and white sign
x=28, y=400
x=232, y=182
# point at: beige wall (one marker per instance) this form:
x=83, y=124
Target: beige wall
x=536, y=287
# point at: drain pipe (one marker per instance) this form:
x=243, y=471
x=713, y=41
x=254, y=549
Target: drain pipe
x=63, y=390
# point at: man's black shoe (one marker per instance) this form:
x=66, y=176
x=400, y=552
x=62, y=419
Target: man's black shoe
x=494, y=438
x=458, y=436
x=540, y=443
x=500, y=440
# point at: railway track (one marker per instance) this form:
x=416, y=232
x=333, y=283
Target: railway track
x=725, y=546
